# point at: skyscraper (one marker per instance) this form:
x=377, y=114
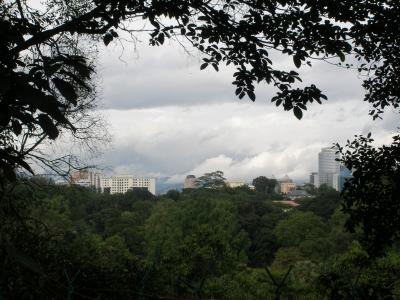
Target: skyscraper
x=328, y=167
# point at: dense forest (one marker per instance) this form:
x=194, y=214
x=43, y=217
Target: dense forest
x=69, y=242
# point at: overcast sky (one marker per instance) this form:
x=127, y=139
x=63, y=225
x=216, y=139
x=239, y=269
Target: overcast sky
x=168, y=118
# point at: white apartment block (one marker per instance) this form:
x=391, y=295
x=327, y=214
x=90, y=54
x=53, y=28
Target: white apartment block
x=120, y=184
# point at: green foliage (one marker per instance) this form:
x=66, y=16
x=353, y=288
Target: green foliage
x=192, y=241
x=355, y=275
x=173, y=194
x=371, y=196
x=258, y=219
x=205, y=244
x=213, y=180
x=265, y=185
x=303, y=234
x=323, y=204
x=46, y=73
x=246, y=283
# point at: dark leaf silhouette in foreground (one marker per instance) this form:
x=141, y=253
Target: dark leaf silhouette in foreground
x=40, y=62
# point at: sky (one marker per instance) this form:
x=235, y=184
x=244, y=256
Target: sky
x=169, y=119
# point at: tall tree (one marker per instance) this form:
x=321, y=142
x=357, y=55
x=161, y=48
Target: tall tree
x=264, y=185
x=213, y=180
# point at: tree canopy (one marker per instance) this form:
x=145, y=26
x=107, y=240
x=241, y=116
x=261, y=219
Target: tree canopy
x=205, y=244
x=264, y=185
x=46, y=67
x=45, y=61
x=211, y=180
x=372, y=195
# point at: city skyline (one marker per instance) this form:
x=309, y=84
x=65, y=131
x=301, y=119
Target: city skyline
x=179, y=128
x=192, y=123
x=330, y=172
x=316, y=171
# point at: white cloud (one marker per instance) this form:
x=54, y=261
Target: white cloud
x=168, y=118
x=241, y=139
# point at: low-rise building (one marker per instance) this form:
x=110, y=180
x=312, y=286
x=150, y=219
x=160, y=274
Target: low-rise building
x=297, y=193
x=234, y=184
x=286, y=185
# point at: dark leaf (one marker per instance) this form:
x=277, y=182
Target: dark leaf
x=297, y=112
x=161, y=38
x=76, y=79
x=302, y=106
x=107, y=38
x=203, y=66
x=66, y=89
x=17, y=128
x=114, y=33
x=297, y=61
x=48, y=126
x=5, y=117
x=251, y=95
x=341, y=56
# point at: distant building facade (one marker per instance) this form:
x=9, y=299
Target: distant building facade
x=328, y=168
x=88, y=177
x=120, y=184
x=190, y=182
x=297, y=193
x=286, y=185
x=235, y=184
x=314, y=179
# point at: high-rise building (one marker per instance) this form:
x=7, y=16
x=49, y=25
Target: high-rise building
x=120, y=184
x=190, y=182
x=314, y=179
x=328, y=168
